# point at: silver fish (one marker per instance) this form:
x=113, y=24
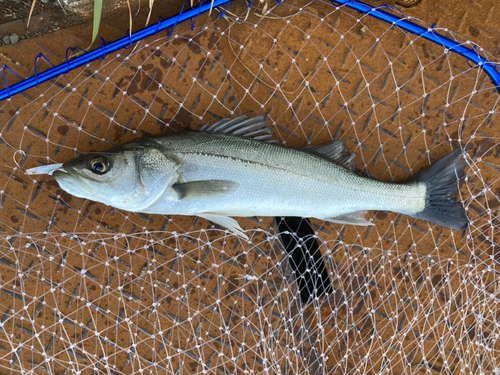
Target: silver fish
x=232, y=169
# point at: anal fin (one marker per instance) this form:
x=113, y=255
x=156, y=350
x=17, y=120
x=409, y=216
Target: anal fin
x=353, y=218
x=225, y=222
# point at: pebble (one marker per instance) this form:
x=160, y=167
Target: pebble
x=14, y=38
x=6, y=39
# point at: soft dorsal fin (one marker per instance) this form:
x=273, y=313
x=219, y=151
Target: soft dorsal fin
x=335, y=151
x=243, y=126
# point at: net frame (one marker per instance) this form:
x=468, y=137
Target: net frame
x=452, y=282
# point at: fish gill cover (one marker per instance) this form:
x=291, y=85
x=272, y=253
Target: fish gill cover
x=86, y=288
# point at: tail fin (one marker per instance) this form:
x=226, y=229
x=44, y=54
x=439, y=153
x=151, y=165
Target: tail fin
x=441, y=181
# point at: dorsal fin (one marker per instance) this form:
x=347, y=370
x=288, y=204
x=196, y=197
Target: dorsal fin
x=335, y=151
x=243, y=126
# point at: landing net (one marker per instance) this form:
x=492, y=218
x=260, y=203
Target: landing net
x=88, y=289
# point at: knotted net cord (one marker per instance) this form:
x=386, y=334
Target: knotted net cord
x=86, y=288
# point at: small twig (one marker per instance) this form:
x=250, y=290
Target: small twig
x=31, y=12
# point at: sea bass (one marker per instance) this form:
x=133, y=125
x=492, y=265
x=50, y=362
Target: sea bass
x=232, y=169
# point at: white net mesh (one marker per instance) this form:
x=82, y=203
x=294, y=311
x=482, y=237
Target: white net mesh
x=88, y=289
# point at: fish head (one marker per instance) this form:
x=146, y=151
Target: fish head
x=127, y=178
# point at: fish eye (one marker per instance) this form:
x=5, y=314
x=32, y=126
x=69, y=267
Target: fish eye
x=99, y=165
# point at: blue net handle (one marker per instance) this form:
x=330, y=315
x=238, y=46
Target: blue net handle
x=427, y=33
x=106, y=49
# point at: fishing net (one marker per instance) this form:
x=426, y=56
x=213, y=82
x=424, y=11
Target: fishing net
x=88, y=289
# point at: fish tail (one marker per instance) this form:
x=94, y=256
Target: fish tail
x=441, y=181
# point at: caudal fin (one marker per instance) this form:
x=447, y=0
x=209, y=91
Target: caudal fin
x=441, y=181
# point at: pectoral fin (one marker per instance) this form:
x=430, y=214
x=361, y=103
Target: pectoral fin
x=353, y=218
x=204, y=189
x=225, y=222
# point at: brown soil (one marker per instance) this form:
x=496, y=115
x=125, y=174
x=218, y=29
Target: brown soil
x=50, y=17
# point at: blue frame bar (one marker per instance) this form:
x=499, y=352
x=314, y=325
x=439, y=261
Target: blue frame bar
x=431, y=35
x=378, y=13
x=107, y=49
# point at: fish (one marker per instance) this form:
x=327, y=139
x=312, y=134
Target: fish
x=234, y=169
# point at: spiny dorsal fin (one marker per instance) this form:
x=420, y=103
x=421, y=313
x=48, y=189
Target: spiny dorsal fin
x=335, y=151
x=243, y=126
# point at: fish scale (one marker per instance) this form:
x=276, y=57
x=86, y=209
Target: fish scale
x=278, y=181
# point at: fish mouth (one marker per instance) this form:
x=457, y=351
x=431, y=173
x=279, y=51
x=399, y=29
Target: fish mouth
x=69, y=182
x=66, y=181
x=72, y=183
